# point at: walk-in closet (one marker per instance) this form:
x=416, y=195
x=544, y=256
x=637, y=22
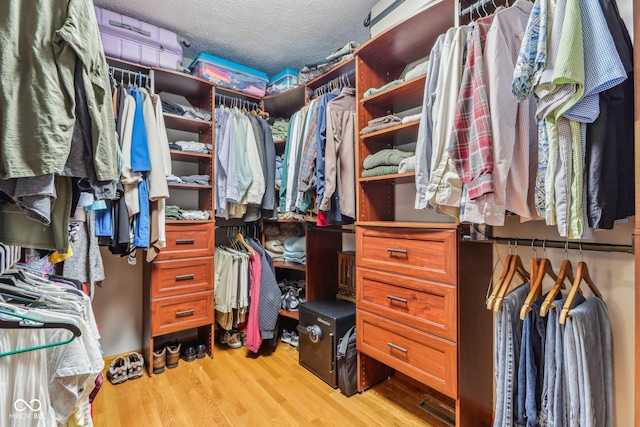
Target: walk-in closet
x=364, y=213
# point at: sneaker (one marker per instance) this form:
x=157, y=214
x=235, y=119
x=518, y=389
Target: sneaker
x=294, y=340
x=159, y=360
x=231, y=340
x=173, y=355
x=286, y=336
x=117, y=372
x=136, y=363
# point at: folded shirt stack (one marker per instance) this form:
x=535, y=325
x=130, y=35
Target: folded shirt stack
x=172, y=179
x=384, y=162
x=196, y=179
x=380, y=123
x=275, y=236
x=191, y=146
x=279, y=129
x=172, y=212
x=179, y=110
x=176, y=213
x=295, y=249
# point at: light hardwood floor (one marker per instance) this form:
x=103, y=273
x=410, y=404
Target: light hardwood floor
x=237, y=388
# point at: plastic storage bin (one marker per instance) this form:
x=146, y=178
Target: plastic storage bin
x=285, y=80
x=229, y=74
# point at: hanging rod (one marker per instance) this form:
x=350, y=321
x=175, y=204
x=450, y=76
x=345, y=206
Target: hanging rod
x=338, y=82
x=598, y=247
x=237, y=102
x=474, y=7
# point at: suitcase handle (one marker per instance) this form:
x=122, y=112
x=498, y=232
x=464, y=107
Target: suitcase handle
x=130, y=28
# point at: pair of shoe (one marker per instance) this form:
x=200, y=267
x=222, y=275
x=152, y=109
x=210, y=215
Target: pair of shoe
x=125, y=368
x=290, y=338
x=192, y=351
x=168, y=355
x=233, y=338
x=291, y=299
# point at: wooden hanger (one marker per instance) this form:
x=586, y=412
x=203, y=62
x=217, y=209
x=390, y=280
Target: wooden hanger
x=240, y=239
x=582, y=274
x=540, y=267
x=515, y=267
x=496, y=287
x=566, y=272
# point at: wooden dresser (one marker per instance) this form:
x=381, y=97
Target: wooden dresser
x=420, y=311
x=178, y=288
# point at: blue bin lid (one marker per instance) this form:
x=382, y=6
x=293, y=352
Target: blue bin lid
x=283, y=73
x=206, y=57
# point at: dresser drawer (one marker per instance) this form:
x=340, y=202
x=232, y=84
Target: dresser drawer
x=181, y=312
x=425, y=358
x=428, y=306
x=424, y=254
x=181, y=276
x=188, y=241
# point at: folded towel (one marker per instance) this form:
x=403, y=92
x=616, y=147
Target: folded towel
x=295, y=244
x=387, y=156
x=407, y=165
x=380, y=171
x=411, y=118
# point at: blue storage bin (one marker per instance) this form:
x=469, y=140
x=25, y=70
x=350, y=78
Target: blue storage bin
x=228, y=74
x=285, y=80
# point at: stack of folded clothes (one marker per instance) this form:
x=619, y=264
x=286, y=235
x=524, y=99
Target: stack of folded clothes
x=196, y=179
x=380, y=123
x=295, y=249
x=191, y=146
x=279, y=129
x=385, y=162
x=275, y=236
x=179, y=110
x=176, y=213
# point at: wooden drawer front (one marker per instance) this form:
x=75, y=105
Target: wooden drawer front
x=426, y=358
x=428, y=306
x=187, y=241
x=183, y=276
x=181, y=312
x=424, y=254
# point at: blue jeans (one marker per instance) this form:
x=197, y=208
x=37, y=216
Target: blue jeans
x=531, y=369
x=508, y=335
x=588, y=370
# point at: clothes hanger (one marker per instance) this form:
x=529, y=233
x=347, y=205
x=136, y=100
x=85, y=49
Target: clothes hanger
x=582, y=274
x=29, y=322
x=566, y=272
x=515, y=267
x=240, y=239
x=503, y=275
x=542, y=269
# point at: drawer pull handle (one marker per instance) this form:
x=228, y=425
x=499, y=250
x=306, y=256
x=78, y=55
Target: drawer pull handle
x=397, y=347
x=397, y=251
x=185, y=241
x=185, y=277
x=185, y=313
x=402, y=300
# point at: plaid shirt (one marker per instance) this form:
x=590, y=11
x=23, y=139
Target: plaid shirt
x=309, y=149
x=471, y=139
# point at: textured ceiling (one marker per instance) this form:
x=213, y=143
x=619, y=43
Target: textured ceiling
x=268, y=35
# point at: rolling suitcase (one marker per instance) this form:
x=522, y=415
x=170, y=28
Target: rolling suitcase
x=136, y=41
x=386, y=13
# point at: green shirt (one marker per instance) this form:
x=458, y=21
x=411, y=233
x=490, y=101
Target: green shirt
x=40, y=42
